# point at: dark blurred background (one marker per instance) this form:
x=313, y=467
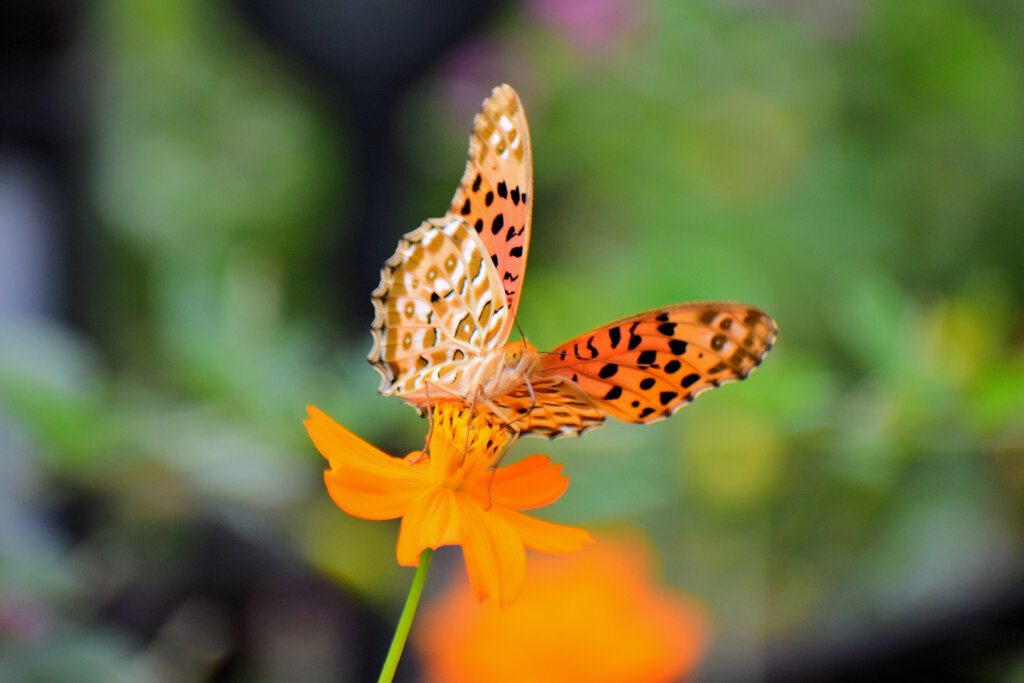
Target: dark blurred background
x=196, y=197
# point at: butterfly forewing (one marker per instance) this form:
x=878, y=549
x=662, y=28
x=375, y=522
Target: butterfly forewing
x=437, y=306
x=646, y=367
x=495, y=195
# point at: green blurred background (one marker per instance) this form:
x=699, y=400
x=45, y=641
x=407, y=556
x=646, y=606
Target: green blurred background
x=195, y=198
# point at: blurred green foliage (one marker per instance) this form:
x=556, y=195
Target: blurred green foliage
x=855, y=171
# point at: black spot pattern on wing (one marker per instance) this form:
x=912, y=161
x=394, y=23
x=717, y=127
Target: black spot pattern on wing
x=671, y=356
x=496, y=183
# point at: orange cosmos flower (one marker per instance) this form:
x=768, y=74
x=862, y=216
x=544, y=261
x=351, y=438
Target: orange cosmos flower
x=451, y=496
x=595, y=616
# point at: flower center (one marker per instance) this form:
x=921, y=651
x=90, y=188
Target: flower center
x=462, y=445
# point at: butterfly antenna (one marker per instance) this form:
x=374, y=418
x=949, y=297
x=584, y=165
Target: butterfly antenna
x=576, y=356
x=567, y=354
x=522, y=335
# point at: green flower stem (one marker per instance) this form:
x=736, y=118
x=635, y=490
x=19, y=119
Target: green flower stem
x=387, y=672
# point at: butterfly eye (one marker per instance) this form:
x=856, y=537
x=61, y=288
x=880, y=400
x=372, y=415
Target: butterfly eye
x=512, y=357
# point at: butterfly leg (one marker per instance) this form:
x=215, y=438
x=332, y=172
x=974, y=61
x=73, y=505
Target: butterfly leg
x=430, y=427
x=533, y=397
x=497, y=463
x=472, y=407
x=430, y=417
x=516, y=433
x=511, y=424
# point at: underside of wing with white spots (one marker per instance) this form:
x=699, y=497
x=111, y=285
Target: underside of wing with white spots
x=438, y=305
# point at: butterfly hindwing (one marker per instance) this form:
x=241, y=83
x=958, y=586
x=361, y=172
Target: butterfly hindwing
x=549, y=406
x=438, y=305
x=495, y=195
x=644, y=368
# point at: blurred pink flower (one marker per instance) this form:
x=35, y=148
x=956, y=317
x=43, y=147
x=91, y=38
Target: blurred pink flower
x=474, y=67
x=594, y=26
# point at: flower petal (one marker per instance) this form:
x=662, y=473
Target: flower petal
x=545, y=537
x=530, y=483
x=596, y=616
x=341, y=446
x=369, y=496
x=494, y=554
x=431, y=520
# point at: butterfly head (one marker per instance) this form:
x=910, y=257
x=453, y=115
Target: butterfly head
x=513, y=357
x=518, y=356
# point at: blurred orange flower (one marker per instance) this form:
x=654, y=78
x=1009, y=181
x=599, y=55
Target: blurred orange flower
x=451, y=496
x=595, y=616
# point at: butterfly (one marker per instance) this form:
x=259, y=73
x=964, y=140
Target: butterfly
x=448, y=298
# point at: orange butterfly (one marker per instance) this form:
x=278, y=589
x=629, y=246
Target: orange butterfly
x=448, y=297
